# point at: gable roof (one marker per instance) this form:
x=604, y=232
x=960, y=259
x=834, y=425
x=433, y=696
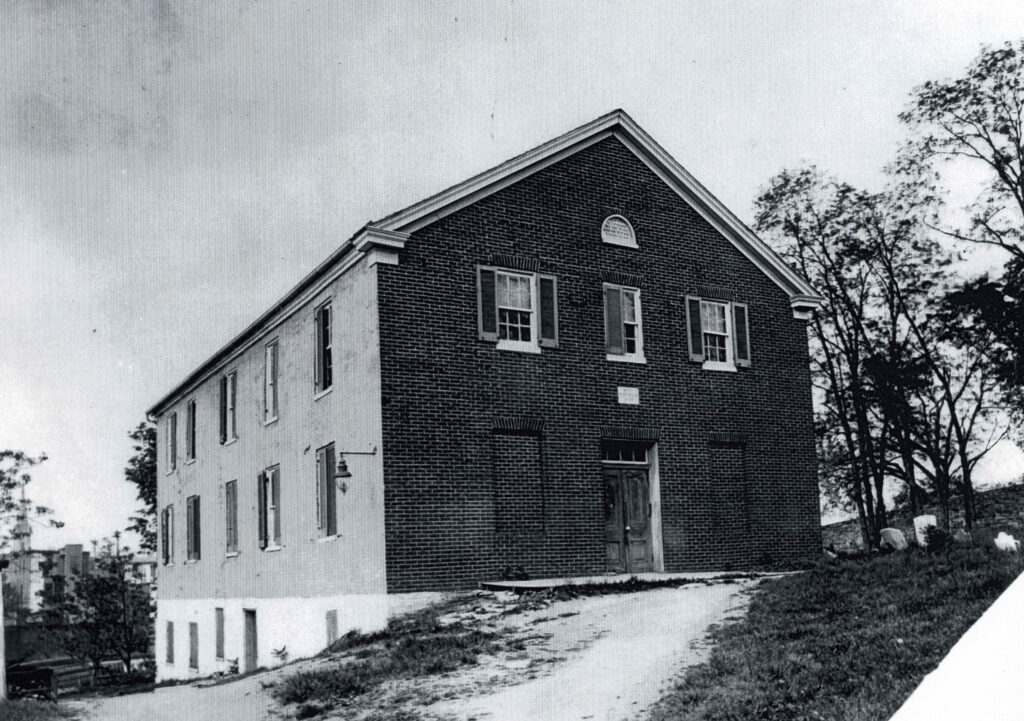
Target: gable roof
x=391, y=231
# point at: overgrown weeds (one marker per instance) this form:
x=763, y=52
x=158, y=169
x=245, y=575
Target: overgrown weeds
x=413, y=646
x=31, y=710
x=848, y=640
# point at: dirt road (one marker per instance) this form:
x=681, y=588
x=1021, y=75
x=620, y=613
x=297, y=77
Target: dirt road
x=604, y=658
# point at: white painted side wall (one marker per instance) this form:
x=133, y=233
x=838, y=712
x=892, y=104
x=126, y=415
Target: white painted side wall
x=297, y=624
x=291, y=587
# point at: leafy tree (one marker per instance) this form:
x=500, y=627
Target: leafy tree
x=107, y=612
x=16, y=511
x=141, y=471
x=977, y=121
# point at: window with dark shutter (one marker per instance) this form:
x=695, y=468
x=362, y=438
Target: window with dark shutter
x=218, y=615
x=718, y=333
x=192, y=523
x=275, y=506
x=517, y=309
x=324, y=374
x=172, y=442
x=326, y=497
x=190, y=431
x=223, y=409
x=623, y=331
x=261, y=504
x=231, y=516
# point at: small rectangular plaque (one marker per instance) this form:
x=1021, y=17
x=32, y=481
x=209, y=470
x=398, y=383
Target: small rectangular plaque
x=629, y=396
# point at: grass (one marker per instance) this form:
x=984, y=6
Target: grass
x=414, y=646
x=30, y=710
x=848, y=640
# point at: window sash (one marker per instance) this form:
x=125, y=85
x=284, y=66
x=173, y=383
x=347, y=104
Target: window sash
x=232, y=402
x=623, y=321
x=270, y=507
x=716, y=332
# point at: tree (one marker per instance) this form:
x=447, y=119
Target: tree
x=141, y=471
x=977, y=120
x=16, y=511
x=102, y=614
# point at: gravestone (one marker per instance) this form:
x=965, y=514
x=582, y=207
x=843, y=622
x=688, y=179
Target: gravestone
x=921, y=525
x=893, y=538
x=1006, y=542
x=962, y=536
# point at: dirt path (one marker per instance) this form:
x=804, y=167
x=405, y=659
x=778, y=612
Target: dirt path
x=620, y=651
x=604, y=658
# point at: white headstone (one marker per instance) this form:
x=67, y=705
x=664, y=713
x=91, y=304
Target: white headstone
x=893, y=538
x=921, y=524
x=1005, y=542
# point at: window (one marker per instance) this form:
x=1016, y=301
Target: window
x=517, y=310
x=269, y=491
x=228, y=401
x=270, y=384
x=172, y=442
x=624, y=338
x=193, y=645
x=190, y=431
x=624, y=452
x=218, y=624
x=170, y=642
x=193, y=525
x=167, y=534
x=717, y=333
x=231, y=516
x=324, y=367
x=326, y=496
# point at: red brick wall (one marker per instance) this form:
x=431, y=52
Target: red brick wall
x=442, y=387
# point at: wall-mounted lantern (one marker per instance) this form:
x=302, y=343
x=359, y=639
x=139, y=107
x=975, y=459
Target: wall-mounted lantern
x=342, y=472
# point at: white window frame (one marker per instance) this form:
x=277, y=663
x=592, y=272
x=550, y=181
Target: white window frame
x=730, y=357
x=271, y=397
x=638, y=355
x=320, y=388
x=172, y=442
x=532, y=345
x=622, y=243
x=272, y=512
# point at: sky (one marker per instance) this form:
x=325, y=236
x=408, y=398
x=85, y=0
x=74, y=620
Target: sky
x=169, y=170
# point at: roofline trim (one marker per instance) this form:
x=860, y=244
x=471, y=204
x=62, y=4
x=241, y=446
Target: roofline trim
x=367, y=243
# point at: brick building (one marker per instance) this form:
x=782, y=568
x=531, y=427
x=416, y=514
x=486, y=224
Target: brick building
x=577, y=362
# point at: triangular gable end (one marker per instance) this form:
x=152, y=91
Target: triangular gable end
x=619, y=125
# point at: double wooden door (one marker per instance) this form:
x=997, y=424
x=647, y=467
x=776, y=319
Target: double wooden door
x=627, y=504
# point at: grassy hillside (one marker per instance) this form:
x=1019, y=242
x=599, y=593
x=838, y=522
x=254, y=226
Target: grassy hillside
x=998, y=509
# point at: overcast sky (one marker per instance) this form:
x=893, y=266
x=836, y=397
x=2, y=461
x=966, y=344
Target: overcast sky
x=168, y=171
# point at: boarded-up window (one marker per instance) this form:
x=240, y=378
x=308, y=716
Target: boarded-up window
x=518, y=484
x=332, y=626
x=218, y=617
x=193, y=645
x=731, y=513
x=170, y=642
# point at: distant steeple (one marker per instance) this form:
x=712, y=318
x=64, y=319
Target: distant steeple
x=22, y=533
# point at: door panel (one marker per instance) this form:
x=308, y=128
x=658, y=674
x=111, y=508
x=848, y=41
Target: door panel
x=627, y=520
x=250, y=640
x=638, y=518
x=615, y=558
